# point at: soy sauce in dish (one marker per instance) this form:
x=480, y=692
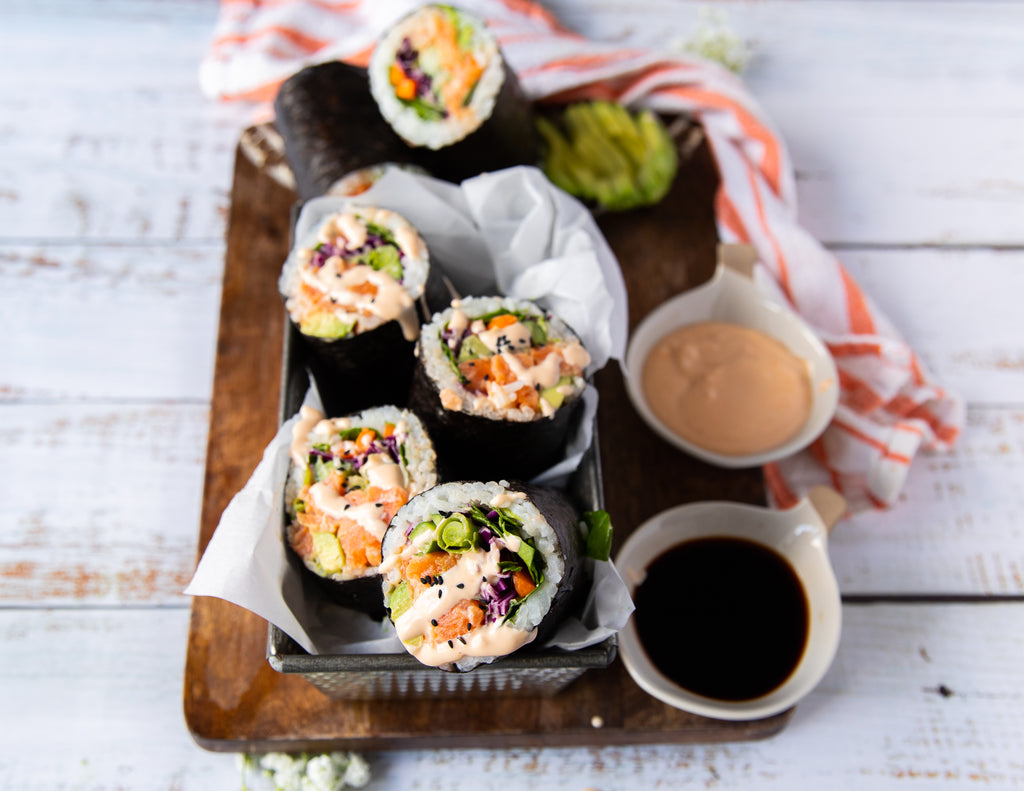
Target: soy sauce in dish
x=726, y=618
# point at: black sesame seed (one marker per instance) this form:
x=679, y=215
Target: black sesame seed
x=433, y=621
x=425, y=580
x=439, y=579
x=440, y=594
x=379, y=505
x=461, y=585
x=462, y=640
x=469, y=626
x=451, y=644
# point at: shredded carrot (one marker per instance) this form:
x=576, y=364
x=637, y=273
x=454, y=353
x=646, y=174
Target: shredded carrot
x=460, y=619
x=523, y=583
x=502, y=321
x=420, y=570
x=406, y=89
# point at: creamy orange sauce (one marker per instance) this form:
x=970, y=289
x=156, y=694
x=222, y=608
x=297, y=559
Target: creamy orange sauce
x=727, y=388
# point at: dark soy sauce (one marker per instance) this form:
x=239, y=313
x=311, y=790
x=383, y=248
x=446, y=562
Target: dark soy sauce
x=726, y=618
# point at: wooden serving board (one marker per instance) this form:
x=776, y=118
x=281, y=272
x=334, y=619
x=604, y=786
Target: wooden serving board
x=234, y=701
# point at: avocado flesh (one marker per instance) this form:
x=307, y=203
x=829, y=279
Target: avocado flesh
x=604, y=154
x=326, y=325
x=328, y=553
x=472, y=349
x=553, y=395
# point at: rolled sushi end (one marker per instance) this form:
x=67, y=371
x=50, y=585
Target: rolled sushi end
x=349, y=476
x=436, y=76
x=503, y=359
x=368, y=266
x=360, y=180
x=470, y=572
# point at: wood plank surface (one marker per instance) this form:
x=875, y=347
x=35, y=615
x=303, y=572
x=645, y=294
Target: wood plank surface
x=909, y=701
x=235, y=701
x=903, y=119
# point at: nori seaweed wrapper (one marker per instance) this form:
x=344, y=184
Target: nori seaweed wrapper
x=360, y=371
x=563, y=517
x=362, y=594
x=331, y=126
x=483, y=448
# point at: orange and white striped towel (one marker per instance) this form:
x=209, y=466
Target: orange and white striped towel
x=889, y=409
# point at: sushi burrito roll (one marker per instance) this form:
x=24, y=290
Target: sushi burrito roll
x=351, y=288
x=475, y=571
x=347, y=478
x=441, y=82
x=498, y=382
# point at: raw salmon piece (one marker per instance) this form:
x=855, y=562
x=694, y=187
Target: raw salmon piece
x=460, y=619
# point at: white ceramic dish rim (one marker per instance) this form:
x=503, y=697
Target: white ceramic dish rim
x=799, y=535
x=731, y=297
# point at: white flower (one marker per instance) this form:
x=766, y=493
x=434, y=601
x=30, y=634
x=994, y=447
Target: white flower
x=285, y=770
x=357, y=773
x=715, y=40
x=324, y=772
x=322, y=775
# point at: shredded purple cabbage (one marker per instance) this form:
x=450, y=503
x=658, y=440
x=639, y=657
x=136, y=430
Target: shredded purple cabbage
x=454, y=340
x=408, y=58
x=325, y=250
x=498, y=597
x=390, y=445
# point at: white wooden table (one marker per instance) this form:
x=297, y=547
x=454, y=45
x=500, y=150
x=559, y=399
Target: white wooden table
x=906, y=124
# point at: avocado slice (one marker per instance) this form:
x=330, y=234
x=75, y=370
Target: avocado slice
x=399, y=600
x=326, y=325
x=472, y=348
x=328, y=553
x=552, y=394
x=385, y=259
x=602, y=153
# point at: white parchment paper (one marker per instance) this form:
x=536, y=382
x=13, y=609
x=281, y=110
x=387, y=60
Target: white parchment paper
x=509, y=232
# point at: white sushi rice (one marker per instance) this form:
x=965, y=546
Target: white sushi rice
x=456, y=497
x=420, y=471
x=439, y=369
x=435, y=134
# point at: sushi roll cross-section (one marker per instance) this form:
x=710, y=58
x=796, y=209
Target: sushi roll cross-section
x=367, y=266
x=439, y=79
x=473, y=571
x=349, y=476
x=507, y=364
x=440, y=66
x=497, y=383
